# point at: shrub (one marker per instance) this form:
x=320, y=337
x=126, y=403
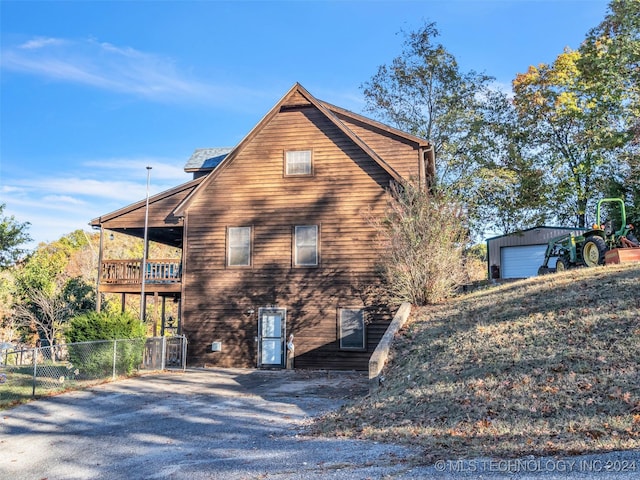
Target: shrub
x=91, y=337
x=423, y=236
x=104, y=326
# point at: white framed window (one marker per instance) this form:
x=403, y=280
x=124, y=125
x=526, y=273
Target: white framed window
x=297, y=162
x=306, y=245
x=351, y=329
x=239, y=246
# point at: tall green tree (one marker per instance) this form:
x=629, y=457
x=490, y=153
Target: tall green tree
x=13, y=235
x=583, y=111
x=482, y=153
x=509, y=191
x=610, y=63
x=572, y=135
x=52, y=286
x=423, y=91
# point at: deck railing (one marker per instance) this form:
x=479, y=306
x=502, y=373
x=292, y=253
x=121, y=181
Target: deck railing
x=128, y=271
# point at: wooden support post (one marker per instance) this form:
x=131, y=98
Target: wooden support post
x=155, y=314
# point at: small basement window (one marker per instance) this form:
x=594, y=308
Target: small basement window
x=351, y=329
x=298, y=162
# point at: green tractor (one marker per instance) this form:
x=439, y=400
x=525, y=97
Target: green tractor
x=599, y=246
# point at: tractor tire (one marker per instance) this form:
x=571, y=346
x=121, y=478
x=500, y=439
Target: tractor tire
x=593, y=251
x=562, y=264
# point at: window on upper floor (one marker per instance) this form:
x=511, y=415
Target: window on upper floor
x=351, y=329
x=239, y=246
x=306, y=246
x=297, y=163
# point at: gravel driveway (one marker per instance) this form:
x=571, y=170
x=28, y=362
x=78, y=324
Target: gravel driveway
x=224, y=424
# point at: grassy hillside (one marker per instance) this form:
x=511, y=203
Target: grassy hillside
x=548, y=365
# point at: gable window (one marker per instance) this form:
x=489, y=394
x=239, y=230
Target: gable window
x=239, y=246
x=306, y=245
x=351, y=329
x=297, y=162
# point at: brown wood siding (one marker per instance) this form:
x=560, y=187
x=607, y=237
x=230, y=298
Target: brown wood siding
x=401, y=154
x=296, y=99
x=252, y=191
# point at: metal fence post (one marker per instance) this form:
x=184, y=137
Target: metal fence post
x=184, y=352
x=35, y=363
x=164, y=353
x=113, y=376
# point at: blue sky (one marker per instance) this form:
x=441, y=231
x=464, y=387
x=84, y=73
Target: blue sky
x=91, y=92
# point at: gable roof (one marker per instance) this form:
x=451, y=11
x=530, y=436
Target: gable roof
x=378, y=125
x=164, y=226
x=330, y=112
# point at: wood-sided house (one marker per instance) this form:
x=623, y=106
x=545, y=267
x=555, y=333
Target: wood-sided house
x=275, y=239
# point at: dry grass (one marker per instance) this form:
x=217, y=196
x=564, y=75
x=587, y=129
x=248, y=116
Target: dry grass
x=548, y=365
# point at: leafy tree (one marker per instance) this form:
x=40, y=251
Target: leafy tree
x=12, y=235
x=482, y=152
x=573, y=136
x=610, y=63
x=509, y=191
x=584, y=112
x=42, y=271
x=424, y=92
x=8, y=323
x=79, y=295
x=47, y=292
x=423, y=236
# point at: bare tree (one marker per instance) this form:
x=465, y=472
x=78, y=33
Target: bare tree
x=44, y=313
x=422, y=236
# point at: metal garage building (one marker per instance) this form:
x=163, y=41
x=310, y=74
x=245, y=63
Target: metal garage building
x=518, y=255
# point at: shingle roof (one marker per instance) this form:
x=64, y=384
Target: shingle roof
x=206, y=158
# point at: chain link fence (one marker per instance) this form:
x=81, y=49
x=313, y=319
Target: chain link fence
x=47, y=370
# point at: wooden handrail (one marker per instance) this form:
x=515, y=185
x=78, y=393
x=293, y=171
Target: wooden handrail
x=128, y=271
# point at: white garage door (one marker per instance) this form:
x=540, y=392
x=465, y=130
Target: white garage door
x=521, y=262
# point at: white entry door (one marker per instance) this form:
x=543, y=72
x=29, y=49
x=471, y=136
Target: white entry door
x=271, y=335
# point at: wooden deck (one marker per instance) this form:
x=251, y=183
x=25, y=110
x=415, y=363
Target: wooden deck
x=123, y=276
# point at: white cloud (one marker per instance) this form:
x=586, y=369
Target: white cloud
x=40, y=42
x=161, y=169
x=109, y=67
x=11, y=189
x=62, y=199
x=61, y=202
